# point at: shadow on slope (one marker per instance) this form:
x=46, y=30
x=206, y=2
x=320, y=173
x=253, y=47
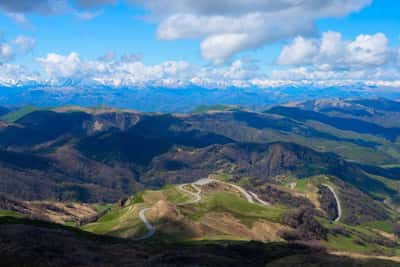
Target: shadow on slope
x=30, y=243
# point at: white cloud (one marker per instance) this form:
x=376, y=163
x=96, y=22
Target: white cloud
x=224, y=36
x=219, y=47
x=301, y=51
x=25, y=43
x=6, y=53
x=55, y=65
x=237, y=7
x=332, y=51
x=11, y=75
x=369, y=50
x=130, y=71
x=228, y=27
x=368, y=59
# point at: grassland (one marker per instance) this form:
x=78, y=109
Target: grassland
x=8, y=213
x=125, y=221
x=102, y=207
x=385, y=226
x=120, y=222
x=246, y=212
x=138, y=197
x=175, y=196
x=360, y=238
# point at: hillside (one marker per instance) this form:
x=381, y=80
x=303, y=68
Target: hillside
x=103, y=154
x=317, y=173
x=215, y=211
x=66, y=247
x=110, y=153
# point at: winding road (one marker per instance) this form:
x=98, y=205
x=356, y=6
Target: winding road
x=254, y=195
x=197, y=195
x=339, y=206
x=150, y=228
x=251, y=197
x=240, y=189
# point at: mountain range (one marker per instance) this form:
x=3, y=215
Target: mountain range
x=181, y=99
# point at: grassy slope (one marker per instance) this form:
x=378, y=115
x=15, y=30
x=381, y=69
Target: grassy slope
x=114, y=223
x=246, y=212
x=18, y=114
x=119, y=222
x=124, y=222
x=8, y=213
x=357, y=239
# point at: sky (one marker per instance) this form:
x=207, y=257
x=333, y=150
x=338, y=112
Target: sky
x=208, y=43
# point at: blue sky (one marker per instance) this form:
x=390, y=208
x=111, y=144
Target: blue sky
x=144, y=28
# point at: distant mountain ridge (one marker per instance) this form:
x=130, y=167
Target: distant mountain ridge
x=184, y=99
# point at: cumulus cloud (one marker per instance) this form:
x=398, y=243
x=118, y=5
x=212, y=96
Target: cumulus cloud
x=368, y=59
x=24, y=43
x=301, y=51
x=332, y=51
x=228, y=27
x=130, y=71
x=114, y=73
x=224, y=27
x=55, y=65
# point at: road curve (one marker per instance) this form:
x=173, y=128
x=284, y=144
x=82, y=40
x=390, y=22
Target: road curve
x=150, y=228
x=197, y=195
x=254, y=195
x=339, y=206
x=240, y=189
x=197, y=198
